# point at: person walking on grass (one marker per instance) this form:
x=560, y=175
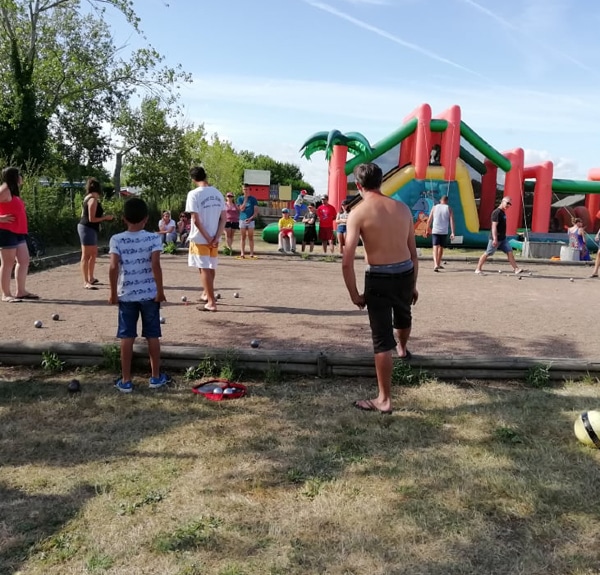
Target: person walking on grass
x=14, y=252
x=208, y=213
x=498, y=239
x=440, y=218
x=136, y=285
x=92, y=215
x=386, y=228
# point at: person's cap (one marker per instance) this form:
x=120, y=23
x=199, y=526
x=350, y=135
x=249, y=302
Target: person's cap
x=507, y=200
x=285, y=210
x=303, y=192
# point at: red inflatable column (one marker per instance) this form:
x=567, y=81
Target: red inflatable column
x=513, y=187
x=337, y=184
x=592, y=201
x=542, y=198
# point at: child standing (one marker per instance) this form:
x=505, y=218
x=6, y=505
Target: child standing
x=298, y=205
x=136, y=285
x=310, y=227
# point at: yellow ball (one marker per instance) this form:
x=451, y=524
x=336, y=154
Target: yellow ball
x=587, y=428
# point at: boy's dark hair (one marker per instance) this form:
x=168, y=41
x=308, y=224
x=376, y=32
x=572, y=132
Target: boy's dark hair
x=198, y=174
x=93, y=186
x=368, y=176
x=135, y=210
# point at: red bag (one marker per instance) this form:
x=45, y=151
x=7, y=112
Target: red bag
x=219, y=389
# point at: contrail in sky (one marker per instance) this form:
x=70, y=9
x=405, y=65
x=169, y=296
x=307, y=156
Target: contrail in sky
x=387, y=35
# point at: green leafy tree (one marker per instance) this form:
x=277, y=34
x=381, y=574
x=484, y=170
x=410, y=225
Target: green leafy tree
x=63, y=78
x=158, y=158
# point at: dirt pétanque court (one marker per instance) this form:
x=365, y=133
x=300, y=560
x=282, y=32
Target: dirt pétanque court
x=290, y=303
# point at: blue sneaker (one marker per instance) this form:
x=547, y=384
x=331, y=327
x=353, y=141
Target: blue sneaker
x=160, y=381
x=124, y=386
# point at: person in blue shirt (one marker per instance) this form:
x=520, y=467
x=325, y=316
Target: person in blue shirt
x=248, y=206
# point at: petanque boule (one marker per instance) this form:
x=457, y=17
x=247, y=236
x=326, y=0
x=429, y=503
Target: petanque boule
x=55, y=317
x=236, y=294
x=218, y=296
x=162, y=319
x=37, y=323
x=74, y=386
x=254, y=343
x=183, y=298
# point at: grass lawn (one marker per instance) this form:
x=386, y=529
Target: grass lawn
x=461, y=479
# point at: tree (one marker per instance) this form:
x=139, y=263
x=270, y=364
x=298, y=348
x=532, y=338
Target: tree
x=336, y=146
x=64, y=77
x=158, y=157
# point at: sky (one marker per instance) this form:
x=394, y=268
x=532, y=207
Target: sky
x=267, y=74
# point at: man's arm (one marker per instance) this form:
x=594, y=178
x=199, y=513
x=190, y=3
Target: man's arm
x=451, y=223
x=429, y=222
x=495, y=233
x=412, y=248
x=158, y=277
x=352, y=237
x=198, y=223
x=113, y=276
x=220, y=229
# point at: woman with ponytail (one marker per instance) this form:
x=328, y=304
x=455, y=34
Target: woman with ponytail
x=13, y=237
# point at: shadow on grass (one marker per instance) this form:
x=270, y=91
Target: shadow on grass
x=30, y=519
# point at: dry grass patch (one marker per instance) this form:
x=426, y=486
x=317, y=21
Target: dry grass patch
x=476, y=478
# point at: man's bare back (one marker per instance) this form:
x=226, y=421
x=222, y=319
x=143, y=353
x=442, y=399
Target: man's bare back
x=385, y=226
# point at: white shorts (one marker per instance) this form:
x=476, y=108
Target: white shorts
x=203, y=257
x=247, y=225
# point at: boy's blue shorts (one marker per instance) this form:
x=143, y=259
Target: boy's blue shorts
x=130, y=311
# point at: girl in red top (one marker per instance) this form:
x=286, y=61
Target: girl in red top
x=13, y=237
x=233, y=220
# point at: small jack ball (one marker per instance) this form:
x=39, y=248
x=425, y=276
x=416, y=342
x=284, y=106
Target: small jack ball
x=218, y=296
x=162, y=320
x=37, y=323
x=55, y=317
x=520, y=278
x=236, y=294
x=254, y=343
x=571, y=280
x=74, y=386
x=183, y=298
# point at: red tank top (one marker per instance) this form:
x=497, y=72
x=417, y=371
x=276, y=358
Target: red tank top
x=15, y=207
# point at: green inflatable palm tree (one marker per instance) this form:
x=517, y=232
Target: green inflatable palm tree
x=355, y=142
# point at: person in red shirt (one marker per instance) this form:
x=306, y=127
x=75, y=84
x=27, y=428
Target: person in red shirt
x=13, y=237
x=327, y=216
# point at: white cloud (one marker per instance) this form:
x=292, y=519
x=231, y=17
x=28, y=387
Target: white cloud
x=392, y=37
x=566, y=168
x=539, y=20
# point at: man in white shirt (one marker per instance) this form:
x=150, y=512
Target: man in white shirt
x=440, y=218
x=208, y=216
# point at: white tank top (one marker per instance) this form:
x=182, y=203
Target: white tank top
x=441, y=219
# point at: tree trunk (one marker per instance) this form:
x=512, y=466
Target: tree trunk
x=337, y=187
x=117, y=173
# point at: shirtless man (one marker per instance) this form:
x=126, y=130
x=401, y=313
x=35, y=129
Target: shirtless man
x=386, y=228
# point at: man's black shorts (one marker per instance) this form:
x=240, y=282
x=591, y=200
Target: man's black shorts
x=388, y=298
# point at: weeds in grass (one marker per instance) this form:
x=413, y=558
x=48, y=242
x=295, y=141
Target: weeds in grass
x=589, y=379
x=51, y=362
x=229, y=369
x=170, y=248
x=151, y=498
x=194, y=568
x=208, y=367
x=305, y=255
x=227, y=251
x=329, y=259
x=538, y=375
x=507, y=435
x=312, y=487
x=99, y=562
x=273, y=373
x=59, y=548
x=404, y=374
x=200, y=534
x=111, y=354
